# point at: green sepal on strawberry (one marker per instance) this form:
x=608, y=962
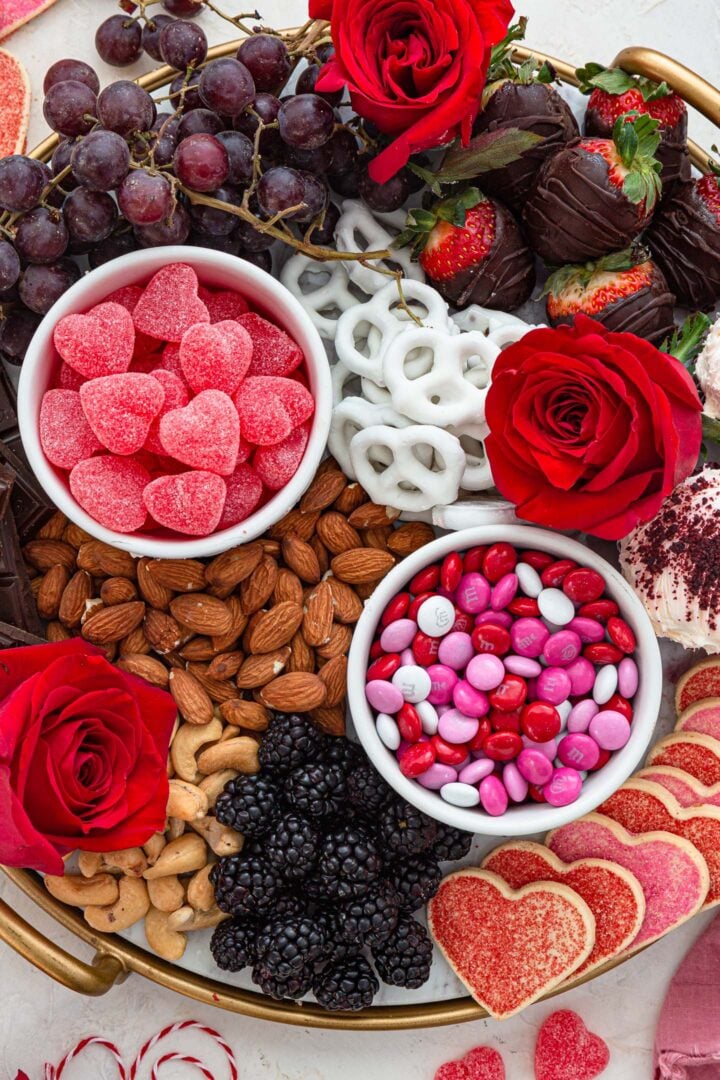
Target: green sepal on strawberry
x=615, y=93
x=472, y=250
x=595, y=196
x=625, y=291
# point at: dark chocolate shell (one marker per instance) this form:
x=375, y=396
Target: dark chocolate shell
x=685, y=240
x=575, y=214
x=504, y=279
x=647, y=312
x=672, y=152
x=534, y=107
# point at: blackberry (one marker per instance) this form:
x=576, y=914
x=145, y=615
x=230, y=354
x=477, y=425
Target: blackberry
x=348, y=985
x=289, y=741
x=296, y=986
x=233, y=945
x=349, y=862
x=248, y=804
x=337, y=948
x=317, y=790
x=286, y=946
x=366, y=789
x=451, y=844
x=244, y=885
x=405, y=957
x=414, y=880
x=337, y=750
x=404, y=830
x=372, y=918
x=287, y=904
x=291, y=846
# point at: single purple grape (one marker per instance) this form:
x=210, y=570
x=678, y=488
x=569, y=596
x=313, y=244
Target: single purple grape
x=252, y=239
x=41, y=236
x=62, y=157
x=229, y=244
x=161, y=141
x=316, y=161
x=324, y=235
x=145, y=198
x=184, y=92
x=90, y=216
x=208, y=219
x=226, y=86
x=199, y=122
x=22, y=180
x=182, y=44
x=315, y=196
x=267, y=59
x=279, y=189
x=201, y=163
x=240, y=156
x=125, y=107
x=383, y=198
x=306, y=85
x=172, y=230
x=120, y=243
x=267, y=107
x=306, y=121
x=9, y=266
x=41, y=286
x=70, y=108
x=344, y=151
x=101, y=160
x=76, y=70
x=183, y=9
x=118, y=40
x=151, y=35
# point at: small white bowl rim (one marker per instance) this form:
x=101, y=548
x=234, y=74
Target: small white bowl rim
x=144, y=263
x=527, y=819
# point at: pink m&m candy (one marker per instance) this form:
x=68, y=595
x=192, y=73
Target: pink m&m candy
x=562, y=648
x=564, y=787
x=528, y=637
x=485, y=672
x=522, y=665
x=515, y=783
x=534, y=766
x=473, y=593
x=468, y=700
x=383, y=696
x=493, y=796
x=588, y=630
x=398, y=635
x=456, y=650
x=581, y=714
x=476, y=771
x=610, y=729
x=455, y=727
x=442, y=684
x=579, y=752
x=553, y=685
x=504, y=591
x=582, y=676
x=437, y=776
x=628, y=678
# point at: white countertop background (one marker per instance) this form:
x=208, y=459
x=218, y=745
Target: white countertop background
x=40, y=1021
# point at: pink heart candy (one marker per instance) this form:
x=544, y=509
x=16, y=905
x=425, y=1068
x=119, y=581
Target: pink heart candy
x=215, y=357
x=297, y=399
x=274, y=351
x=244, y=491
x=189, y=502
x=264, y=420
x=481, y=1063
x=170, y=304
x=98, y=343
x=121, y=408
x=566, y=1050
x=276, y=465
x=65, y=434
x=111, y=490
x=224, y=304
x=205, y=434
x=176, y=397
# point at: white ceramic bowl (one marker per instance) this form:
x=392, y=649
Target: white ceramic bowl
x=526, y=818
x=215, y=269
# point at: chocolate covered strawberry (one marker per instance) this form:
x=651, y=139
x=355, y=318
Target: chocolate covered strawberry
x=522, y=97
x=685, y=240
x=473, y=252
x=625, y=291
x=595, y=196
x=614, y=93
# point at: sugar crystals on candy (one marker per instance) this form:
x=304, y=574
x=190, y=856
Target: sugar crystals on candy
x=121, y=408
x=65, y=434
x=190, y=502
x=111, y=489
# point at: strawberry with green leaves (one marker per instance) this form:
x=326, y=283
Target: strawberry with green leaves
x=625, y=291
x=595, y=196
x=614, y=93
x=472, y=251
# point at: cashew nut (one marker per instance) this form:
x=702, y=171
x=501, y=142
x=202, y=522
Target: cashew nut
x=83, y=891
x=175, y=828
x=167, y=893
x=180, y=856
x=186, y=919
x=154, y=846
x=161, y=938
x=212, y=785
x=230, y=732
x=200, y=893
x=187, y=743
x=89, y=863
x=132, y=904
x=240, y=754
x=130, y=861
x=186, y=801
x=221, y=839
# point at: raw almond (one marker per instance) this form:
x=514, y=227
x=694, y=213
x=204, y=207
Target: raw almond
x=113, y=623
x=298, y=691
x=53, y=528
x=50, y=592
x=334, y=675
x=44, y=554
x=324, y=490
x=156, y=595
x=271, y=547
x=347, y=604
x=227, y=642
x=218, y=690
x=361, y=566
x=275, y=627
x=319, y=614
x=75, y=536
x=339, y=642
x=301, y=558
x=348, y=500
x=330, y=719
x=55, y=631
x=302, y=657
x=336, y=534
x=146, y=667
x=371, y=515
x=252, y=623
x=295, y=523
x=88, y=557
x=225, y=665
x=117, y=590
x=410, y=537
x=114, y=562
x=259, y=670
x=198, y=648
x=322, y=553
x=202, y=613
x=256, y=590
x=377, y=538
x=232, y=567
x=180, y=575
x=245, y=714
x=191, y=699
x=287, y=587
x=162, y=631
x=135, y=642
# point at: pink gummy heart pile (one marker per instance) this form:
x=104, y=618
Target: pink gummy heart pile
x=174, y=406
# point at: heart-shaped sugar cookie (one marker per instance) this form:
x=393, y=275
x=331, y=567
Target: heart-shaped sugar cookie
x=481, y=1063
x=14, y=103
x=566, y=1050
x=15, y=13
x=170, y=304
x=687, y=790
x=189, y=502
x=121, y=408
x=509, y=947
x=702, y=716
x=98, y=343
x=700, y=681
x=204, y=434
x=215, y=357
x=691, y=751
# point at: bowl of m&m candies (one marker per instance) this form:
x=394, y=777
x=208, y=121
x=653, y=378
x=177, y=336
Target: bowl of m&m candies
x=175, y=402
x=504, y=679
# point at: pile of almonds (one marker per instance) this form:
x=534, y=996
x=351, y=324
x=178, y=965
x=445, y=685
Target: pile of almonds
x=265, y=626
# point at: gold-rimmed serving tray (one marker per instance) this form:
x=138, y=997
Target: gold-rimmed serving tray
x=115, y=958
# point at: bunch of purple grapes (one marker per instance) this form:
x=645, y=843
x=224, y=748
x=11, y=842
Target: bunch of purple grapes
x=125, y=176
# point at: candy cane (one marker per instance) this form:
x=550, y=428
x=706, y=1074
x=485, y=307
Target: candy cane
x=184, y=1025
x=54, y=1072
x=155, y=1075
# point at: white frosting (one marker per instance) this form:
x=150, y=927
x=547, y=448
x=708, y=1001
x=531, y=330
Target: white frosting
x=707, y=370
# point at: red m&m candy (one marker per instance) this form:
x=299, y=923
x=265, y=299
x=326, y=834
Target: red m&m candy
x=503, y=745
x=473, y=560
x=583, y=585
x=417, y=759
x=448, y=753
x=451, y=571
x=409, y=723
x=509, y=695
x=500, y=559
x=384, y=667
x=621, y=634
x=540, y=721
x=491, y=638
x=396, y=609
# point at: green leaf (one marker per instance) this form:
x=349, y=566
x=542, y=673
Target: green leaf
x=714, y=166
x=501, y=53
x=710, y=428
x=427, y=176
x=546, y=73
x=455, y=208
x=654, y=91
x=422, y=219
x=686, y=343
x=612, y=80
x=487, y=151
x=626, y=140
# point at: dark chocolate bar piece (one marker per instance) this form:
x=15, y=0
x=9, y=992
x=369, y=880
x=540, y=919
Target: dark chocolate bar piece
x=30, y=505
x=11, y=636
x=8, y=402
x=17, y=603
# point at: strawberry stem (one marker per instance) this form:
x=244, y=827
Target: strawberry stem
x=686, y=343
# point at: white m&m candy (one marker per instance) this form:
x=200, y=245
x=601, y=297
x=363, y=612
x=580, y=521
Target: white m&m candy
x=436, y=616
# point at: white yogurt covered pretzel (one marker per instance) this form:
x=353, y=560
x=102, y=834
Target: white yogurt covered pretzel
x=351, y=416
x=477, y=475
x=358, y=230
x=323, y=289
x=406, y=483
x=498, y=326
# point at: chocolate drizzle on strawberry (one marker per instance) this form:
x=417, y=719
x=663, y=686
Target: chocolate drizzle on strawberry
x=685, y=240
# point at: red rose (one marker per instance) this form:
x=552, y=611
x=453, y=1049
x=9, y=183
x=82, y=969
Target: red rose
x=83, y=752
x=590, y=430
x=415, y=68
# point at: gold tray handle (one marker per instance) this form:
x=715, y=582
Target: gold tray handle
x=90, y=979
x=697, y=91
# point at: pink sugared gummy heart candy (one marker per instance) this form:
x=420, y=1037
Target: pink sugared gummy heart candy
x=127, y=296
x=205, y=434
x=110, y=489
x=98, y=343
x=170, y=304
x=169, y=359
x=274, y=351
x=65, y=435
x=296, y=398
x=189, y=502
x=224, y=304
x=244, y=491
x=121, y=408
x=69, y=379
x=176, y=397
x=264, y=420
x=215, y=357
x=276, y=465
